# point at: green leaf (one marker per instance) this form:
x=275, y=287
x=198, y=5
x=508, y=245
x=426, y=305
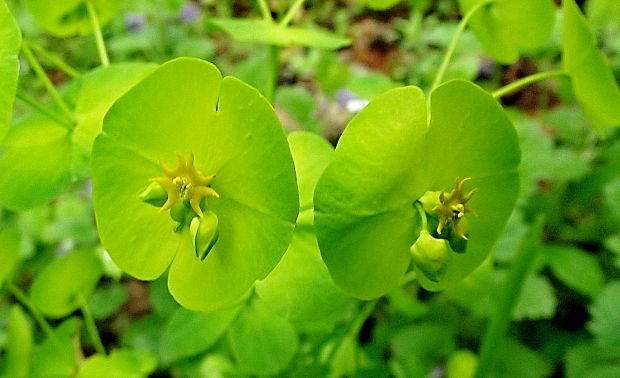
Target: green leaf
x=19, y=344
x=575, y=268
x=593, y=81
x=10, y=241
x=55, y=294
x=514, y=360
x=379, y=5
x=120, y=363
x=66, y=18
x=308, y=294
x=34, y=163
x=507, y=26
x=234, y=133
x=421, y=347
x=605, y=312
x=365, y=218
x=189, y=333
x=107, y=300
x=269, y=33
x=262, y=342
x=363, y=201
x=592, y=361
x=300, y=105
x=10, y=42
x=56, y=357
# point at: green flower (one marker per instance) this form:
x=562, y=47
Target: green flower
x=218, y=234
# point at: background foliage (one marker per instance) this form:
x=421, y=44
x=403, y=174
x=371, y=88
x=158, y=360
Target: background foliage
x=298, y=322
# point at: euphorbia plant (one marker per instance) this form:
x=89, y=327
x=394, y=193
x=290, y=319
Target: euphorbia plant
x=392, y=182
x=226, y=138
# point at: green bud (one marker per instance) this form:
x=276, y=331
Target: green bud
x=431, y=255
x=154, y=194
x=205, y=233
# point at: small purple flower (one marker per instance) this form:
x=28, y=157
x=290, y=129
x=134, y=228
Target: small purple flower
x=134, y=22
x=189, y=12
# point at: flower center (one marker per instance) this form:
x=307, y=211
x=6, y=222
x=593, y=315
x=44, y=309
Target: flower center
x=185, y=183
x=453, y=207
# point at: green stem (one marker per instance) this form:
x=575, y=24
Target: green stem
x=264, y=9
x=455, y=38
x=274, y=65
x=103, y=52
x=288, y=17
x=516, y=85
x=43, y=110
x=55, y=60
x=36, y=66
x=91, y=327
x=25, y=301
x=509, y=294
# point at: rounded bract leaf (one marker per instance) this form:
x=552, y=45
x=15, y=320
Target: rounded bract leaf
x=10, y=239
x=64, y=18
x=61, y=285
x=364, y=215
x=593, y=81
x=507, y=26
x=19, y=344
x=225, y=128
x=387, y=159
x=10, y=42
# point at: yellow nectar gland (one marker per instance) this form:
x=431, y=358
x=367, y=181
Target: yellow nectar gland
x=453, y=207
x=186, y=183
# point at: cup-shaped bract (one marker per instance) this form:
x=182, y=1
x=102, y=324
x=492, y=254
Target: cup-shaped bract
x=222, y=128
x=10, y=42
x=389, y=157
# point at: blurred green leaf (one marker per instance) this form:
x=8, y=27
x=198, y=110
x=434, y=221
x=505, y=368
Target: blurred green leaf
x=57, y=357
x=575, y=268
x=34, y=163
x=507, y=26
x=593, y=81
x=10, y=240
x=107, y=300
x=605, y=312
x=19, y=344
x=57, y=288
x=269, y=33
x=189, y=333
x=300, y=105
x=64, y=18
x=380, y=5
x=10, y=42
x=513, y=360
x=592, y=361
x=262, y=342
x=120, y=363
x=420, y=348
